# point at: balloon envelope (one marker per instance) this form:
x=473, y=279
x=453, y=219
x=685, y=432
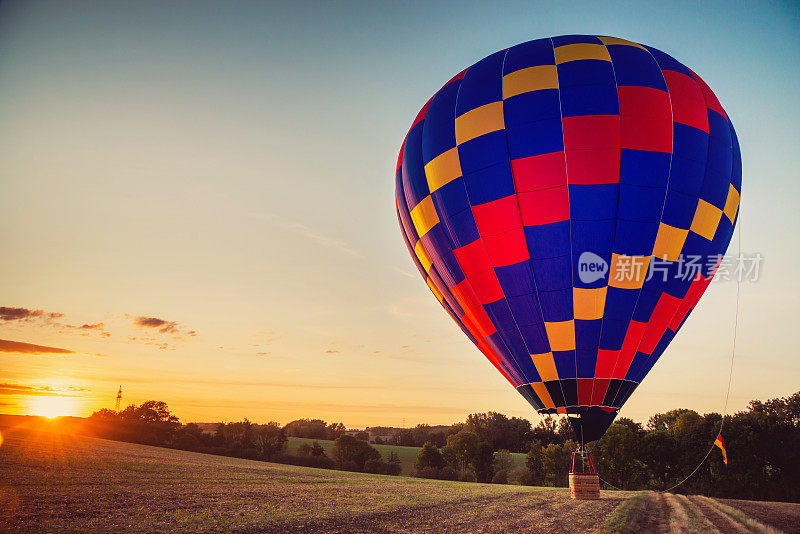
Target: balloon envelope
x=567, y=201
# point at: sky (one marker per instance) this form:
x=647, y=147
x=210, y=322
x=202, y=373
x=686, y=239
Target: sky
x=197, y=203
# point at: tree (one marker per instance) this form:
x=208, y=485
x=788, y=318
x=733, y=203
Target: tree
x=404, y=438
x=317, y=449
x=534, y=464
x=348, y=452
x=484, y=462
x=393, y=466
x=500, y=431
x=420, y=434
x=429, y=458
x=269, y=440
x=545, y=432
x=555, y=462
x=461, y=449
x=307, y=428
x=665, y=421
x=335, y=430
x=503, y=461
x=618, y=452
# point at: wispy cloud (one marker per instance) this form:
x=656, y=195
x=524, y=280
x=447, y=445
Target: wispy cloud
x=309, y=233
x=22, y=389
x=163, y=326
x=25, y=314
x=20, y=347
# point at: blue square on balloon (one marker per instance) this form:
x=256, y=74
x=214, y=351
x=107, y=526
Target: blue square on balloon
x=500, y=315
x=634, y=66
x=613, y=334
x=531, y=107
x=634, y=238
x=689, y=142
x=535, y=338
x=686, y=175
x=620, y=303
x=587, y=333
x=482, y=84
x=534, y=138
x=438, y=134
x=645, y=305
x=451, y=198
x=556, y=305
x=667, y=62
x=552, y=274
x=715, y=188
x=589, y=100
x=490, y=183
x=530, y=54
x=483, y=151
x=565, y=366
x=593, y=236
x=593, y=202
x=641, y=203
x=586, y=72
x=548, y=240
x=525, y=309
x=642, y=167
x=586, y=360
x=515, y=279
x=679, y=209
x=461, y=227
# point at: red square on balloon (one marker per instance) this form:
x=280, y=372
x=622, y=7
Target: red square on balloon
x=545, y=206
x=508, y=248
x=539, y=172
x=497, y=216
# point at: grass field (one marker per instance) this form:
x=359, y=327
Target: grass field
x=407, y=455
x=62, y=483
x=54, y=482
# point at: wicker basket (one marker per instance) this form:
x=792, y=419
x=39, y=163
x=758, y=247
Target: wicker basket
x=583, y=483
x=584, y=486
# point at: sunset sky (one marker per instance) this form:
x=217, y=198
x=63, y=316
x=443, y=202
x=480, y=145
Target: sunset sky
x=196, y=203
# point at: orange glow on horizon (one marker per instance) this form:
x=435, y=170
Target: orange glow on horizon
x=53, y=406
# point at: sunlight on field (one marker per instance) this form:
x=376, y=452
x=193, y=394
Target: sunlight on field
x=54, y=406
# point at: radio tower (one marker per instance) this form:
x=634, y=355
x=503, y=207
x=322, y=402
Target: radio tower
x=119, y=399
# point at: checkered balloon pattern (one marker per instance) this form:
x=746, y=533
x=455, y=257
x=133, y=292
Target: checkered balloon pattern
x=540, y=189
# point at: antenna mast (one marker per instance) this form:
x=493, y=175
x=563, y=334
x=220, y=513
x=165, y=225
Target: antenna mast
x=119, y=399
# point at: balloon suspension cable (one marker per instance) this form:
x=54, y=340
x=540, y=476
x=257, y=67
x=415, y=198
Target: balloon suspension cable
x=730, y=375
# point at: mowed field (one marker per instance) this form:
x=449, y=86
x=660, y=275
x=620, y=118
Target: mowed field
x=407, y=455
x=63, y=483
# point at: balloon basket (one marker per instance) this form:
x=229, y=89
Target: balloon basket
x=584, y=483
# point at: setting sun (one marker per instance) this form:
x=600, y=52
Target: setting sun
x=54, y=406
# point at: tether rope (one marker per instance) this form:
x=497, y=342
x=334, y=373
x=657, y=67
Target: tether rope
x=730, y=375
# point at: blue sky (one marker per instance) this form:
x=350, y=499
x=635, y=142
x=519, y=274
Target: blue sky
x=229, y=167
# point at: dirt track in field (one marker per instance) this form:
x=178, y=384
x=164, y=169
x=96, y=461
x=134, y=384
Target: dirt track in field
x=545, y=512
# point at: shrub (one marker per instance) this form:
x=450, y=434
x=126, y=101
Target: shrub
x=500, y=477
x=376, y=466
x=448, y=473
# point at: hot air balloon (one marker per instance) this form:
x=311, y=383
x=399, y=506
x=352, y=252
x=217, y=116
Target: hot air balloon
x=567, y=200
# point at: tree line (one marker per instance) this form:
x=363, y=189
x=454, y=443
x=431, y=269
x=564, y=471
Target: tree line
x=763, y=446
x=152, y=423
x=763, y=449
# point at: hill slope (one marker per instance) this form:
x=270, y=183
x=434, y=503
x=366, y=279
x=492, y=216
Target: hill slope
x=65, y=483
x=57, y=482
